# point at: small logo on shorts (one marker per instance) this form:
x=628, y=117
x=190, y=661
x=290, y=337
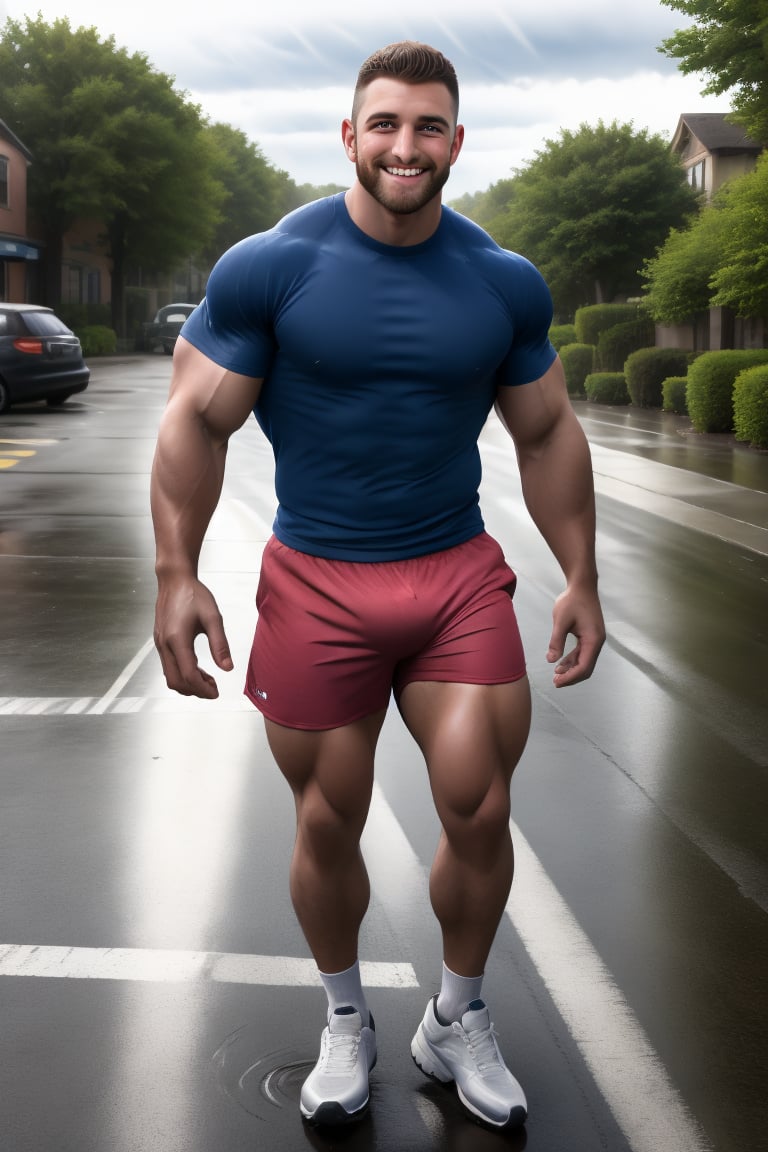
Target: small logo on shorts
x=261, y=694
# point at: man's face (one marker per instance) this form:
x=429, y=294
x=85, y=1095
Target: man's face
x=403, y=142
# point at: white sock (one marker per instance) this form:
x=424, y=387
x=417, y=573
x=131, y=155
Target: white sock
x=456, y=994
x=345, y=989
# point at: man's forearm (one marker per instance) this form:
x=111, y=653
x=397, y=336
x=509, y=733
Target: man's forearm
x=187, y=477
x=559, y=494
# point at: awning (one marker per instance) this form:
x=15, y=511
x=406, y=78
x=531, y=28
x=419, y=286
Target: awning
x=18, y=250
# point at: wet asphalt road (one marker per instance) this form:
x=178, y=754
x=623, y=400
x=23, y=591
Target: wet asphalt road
x=155, y=992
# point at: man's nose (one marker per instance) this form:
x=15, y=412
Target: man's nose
x=404, y=145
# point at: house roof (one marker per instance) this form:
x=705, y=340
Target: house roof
x=12, y=138
x=715, y=131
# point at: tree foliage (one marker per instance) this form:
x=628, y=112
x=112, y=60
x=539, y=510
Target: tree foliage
x=677, y=279
x=256, y=194
x=591, y=207
x=721, y=259
x=112, y=140
x=729, y=44
x=741, y=279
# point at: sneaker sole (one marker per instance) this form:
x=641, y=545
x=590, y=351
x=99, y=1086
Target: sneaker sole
x=430, y=1064
x=425, y=1058
x=329, y=1114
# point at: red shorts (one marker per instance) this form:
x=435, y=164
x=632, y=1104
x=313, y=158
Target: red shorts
x=335, y=637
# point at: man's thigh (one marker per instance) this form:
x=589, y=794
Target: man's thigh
x=472, y=737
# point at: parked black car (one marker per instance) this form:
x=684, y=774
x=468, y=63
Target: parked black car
x=164, y=329
x=40, y=358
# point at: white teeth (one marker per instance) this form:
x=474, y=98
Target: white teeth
x=405, y=171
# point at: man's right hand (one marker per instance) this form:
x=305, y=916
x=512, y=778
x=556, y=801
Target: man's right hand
x=185, y=610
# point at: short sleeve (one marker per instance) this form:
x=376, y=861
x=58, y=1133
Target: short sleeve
x=233, y=325
x=531, y=353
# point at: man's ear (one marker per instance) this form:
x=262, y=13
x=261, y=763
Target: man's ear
x=458, y=140
x=348, y=136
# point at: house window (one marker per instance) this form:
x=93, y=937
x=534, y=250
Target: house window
x=696, y=174
x=3, y=181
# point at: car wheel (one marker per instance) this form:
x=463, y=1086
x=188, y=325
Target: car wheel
x=57, y=401
x=5, y=399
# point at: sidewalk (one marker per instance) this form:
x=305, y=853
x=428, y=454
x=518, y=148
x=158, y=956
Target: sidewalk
x=654, y=461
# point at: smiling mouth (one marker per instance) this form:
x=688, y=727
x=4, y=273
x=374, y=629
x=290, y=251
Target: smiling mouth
x=405, y=171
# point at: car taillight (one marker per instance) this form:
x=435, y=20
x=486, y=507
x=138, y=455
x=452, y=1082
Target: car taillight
x=27, y=344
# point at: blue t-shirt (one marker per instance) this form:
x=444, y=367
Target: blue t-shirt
x=380, y=366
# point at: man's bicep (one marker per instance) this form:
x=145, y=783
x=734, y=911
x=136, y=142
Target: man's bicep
x=203, y=389
x=530, y=411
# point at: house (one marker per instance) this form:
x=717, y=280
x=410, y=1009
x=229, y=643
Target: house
x=713, y=150
x=19, y=255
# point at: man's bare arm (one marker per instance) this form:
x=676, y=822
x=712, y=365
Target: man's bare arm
x=556, y=472
x=206, y=405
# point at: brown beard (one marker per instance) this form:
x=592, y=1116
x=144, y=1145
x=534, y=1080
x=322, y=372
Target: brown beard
x=401, y=201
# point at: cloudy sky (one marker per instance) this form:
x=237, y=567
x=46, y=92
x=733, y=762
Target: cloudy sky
x=284, y=73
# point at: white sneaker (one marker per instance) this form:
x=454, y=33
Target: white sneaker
x=468, y=1054
x=336, y=1090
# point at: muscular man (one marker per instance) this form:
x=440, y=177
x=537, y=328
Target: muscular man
x=371, y=333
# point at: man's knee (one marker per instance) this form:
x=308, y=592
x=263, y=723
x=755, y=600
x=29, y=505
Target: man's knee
x=477, y=828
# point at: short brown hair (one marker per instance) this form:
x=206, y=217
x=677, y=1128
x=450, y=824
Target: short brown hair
x=410, y=61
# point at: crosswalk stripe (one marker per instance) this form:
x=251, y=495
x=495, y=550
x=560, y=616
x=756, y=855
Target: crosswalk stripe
x=625, y=1066
x=174, y=966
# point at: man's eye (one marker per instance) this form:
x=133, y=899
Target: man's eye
x=385, y=124
x=430, y=128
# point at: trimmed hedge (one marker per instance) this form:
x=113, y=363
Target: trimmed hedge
x=673, y=395
x=578, y=361
x=607, y=388
x=648, y=368
x=561, y=334
x=750, y=406
x=593, y=319
x=98, y=340
x=615, y=344
x=711, y=379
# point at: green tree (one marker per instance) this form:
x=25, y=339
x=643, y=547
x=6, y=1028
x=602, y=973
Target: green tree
x=484, y=207
x=741, y=279
x=112, y=141
x=677, y=279
x=590, y=207
x=729, y=44
x=256, y=193
x=721, y=259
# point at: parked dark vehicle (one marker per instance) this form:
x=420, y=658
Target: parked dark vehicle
x=40, y=358
x=164, y=329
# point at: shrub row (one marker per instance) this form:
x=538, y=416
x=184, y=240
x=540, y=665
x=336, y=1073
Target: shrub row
x=710, y=389
x=615, y=344
x=578, y=361
x=607, y=388
x=648, y=368
x=595, y=319
x=561, y=334
x=750, y=406
x=673, y=395
x=97, y=340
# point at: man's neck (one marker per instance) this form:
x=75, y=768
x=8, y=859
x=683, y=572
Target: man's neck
x=400, y=229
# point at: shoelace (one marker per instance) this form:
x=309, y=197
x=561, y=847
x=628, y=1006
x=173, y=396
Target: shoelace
x=481, y=1043
x=340, y=1054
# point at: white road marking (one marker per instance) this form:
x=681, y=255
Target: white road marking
x=625, y=1066
x=26, y=441
x=130, y=670
x=174, y=967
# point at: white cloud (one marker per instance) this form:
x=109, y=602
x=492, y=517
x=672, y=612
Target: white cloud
x=284, y=74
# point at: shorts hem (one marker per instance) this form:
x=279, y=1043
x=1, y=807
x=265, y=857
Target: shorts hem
x=446, y=679
x=309, y=725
